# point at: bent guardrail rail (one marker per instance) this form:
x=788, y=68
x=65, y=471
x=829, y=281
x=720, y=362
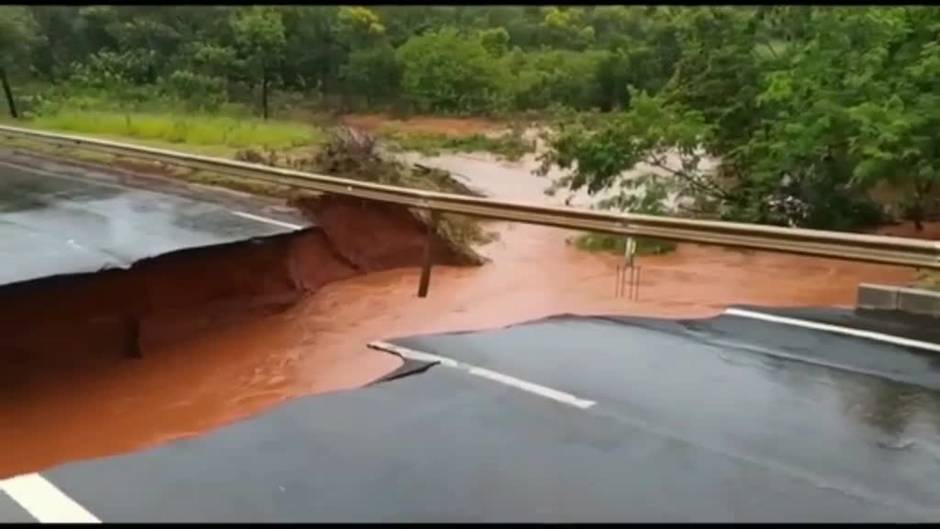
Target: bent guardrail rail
x=850, y=246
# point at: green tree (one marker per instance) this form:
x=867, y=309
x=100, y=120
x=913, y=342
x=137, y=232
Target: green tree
x=643, y=51
x=62, y=42
x=449, y=72
x=313, y=53
x=373, y=73
x=17, y=35
x=495, y=40
x=359, y=26
x=559, y=77
x=664, y=139
x=259, y=38
x=805, y=108
x=847, y=109
x=566, y=28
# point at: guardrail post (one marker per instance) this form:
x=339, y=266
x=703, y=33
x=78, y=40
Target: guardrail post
x=428, y=256
x=628, y=265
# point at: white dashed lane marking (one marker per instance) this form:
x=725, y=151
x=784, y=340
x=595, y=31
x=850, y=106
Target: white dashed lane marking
x=266, y=220
x=528, y=387
x=44, y=501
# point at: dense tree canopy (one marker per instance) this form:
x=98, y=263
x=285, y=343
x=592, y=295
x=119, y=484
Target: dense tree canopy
x=444, y=70
x=806, y=110
x=802, y=110
x=536, y=56
x=17, y=35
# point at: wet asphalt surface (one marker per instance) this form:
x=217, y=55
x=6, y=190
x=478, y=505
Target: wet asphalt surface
x=725, y=419
x=59, y=219
x=11, y=512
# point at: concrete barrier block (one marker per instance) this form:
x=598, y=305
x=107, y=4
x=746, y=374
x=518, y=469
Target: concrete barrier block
x=877, y=297
x=917, y=301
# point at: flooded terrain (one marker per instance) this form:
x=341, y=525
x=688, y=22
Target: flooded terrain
x=201, y=369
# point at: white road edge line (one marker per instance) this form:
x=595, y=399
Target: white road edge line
x=529, y=387
x=871, y=335
x=266, y=220
x=44, y=501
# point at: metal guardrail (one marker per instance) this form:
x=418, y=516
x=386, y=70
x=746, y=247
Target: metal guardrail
x=856, y=247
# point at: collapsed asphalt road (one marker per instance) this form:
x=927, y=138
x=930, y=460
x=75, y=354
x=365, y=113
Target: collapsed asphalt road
x=62, y=219
x=217, y=331
x=570, y=418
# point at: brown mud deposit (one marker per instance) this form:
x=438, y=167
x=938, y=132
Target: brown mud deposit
x=350, y=225
x=220, y=332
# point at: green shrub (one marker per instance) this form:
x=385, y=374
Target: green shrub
x=444, y=71
x=373, y=74
x=616, y=244
x=559, y=77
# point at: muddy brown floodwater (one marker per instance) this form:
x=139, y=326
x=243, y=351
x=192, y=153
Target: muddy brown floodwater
x=205, y=365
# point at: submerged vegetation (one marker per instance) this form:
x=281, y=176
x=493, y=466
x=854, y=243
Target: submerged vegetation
x=617, y=244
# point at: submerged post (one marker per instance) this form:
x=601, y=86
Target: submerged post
x=628, y=265
x=428, y=256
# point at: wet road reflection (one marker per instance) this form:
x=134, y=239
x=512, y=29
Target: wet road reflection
x=835, y=428
x=56, y=224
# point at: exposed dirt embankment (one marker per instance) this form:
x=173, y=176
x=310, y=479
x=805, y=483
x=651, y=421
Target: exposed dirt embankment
x=347, y=222
x=224, y=317
x=351, y=237
x=93, y=313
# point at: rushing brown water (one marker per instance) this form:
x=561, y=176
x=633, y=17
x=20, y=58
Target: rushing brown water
x=203, y=368
x=534, y=274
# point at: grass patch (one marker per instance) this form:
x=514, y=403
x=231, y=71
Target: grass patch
x=508, y=145
x=179, y=129
x=928, y=279
x=616, y=244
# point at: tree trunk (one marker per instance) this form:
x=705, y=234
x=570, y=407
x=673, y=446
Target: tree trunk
x=921, y=197
x=9, y=93
x=264, y=94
